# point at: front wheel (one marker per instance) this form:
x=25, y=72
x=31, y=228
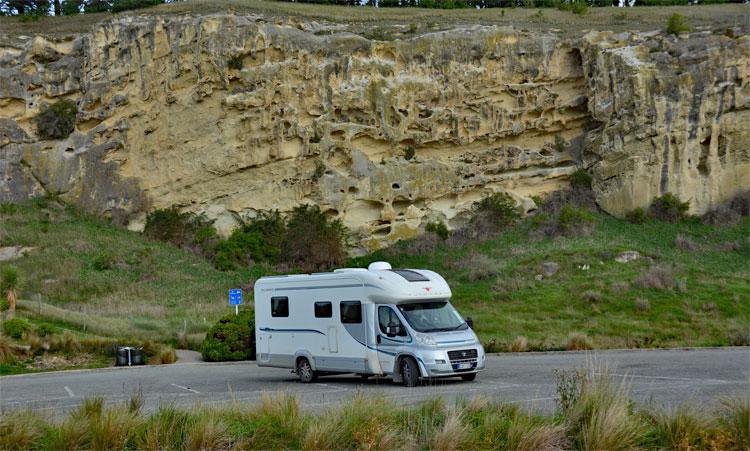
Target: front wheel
x=305, y=371
x=469, y=377
x=409, y=372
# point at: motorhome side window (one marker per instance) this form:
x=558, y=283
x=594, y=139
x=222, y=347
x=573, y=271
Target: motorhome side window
x=323, y=310
x=279, y=306
x=387, y=317
x=351, y=312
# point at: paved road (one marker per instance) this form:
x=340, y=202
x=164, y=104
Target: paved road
x=666, y=377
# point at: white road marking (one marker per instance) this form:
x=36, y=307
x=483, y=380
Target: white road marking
x=187, y=388
x=70, y=392
x=685, y=379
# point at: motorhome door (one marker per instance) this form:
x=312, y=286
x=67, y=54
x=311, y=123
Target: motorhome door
x=391, y=337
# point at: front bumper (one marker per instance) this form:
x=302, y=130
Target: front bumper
x=438, y=364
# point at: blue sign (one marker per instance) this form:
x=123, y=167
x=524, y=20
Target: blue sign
x=235, y=297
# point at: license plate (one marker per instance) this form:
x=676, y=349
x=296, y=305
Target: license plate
x=463, y=366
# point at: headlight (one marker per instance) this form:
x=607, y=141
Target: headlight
x=424, y=339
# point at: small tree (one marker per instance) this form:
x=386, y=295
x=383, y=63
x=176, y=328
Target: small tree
x=677, y=24
x=9, y=285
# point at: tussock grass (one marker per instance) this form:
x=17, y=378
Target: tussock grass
x=597, y=415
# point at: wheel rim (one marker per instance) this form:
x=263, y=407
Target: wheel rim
x=406, y=371
x=305, y=371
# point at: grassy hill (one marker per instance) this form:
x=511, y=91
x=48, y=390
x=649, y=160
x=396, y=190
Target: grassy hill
x=690, y=287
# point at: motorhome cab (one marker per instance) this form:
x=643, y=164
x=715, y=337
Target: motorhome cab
x=375, y=321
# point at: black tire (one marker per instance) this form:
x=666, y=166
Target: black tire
x=409, y=372
x=305, y=371
x=469, y=377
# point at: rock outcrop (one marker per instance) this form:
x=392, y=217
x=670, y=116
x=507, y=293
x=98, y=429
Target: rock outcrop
x=228, y=115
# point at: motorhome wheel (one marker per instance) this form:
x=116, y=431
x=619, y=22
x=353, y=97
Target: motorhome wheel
x=409, y=372
x=305, y=371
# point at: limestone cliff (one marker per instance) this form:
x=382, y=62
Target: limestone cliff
x=227, y=115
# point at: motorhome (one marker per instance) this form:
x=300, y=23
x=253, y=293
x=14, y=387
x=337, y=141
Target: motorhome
x=378, y=321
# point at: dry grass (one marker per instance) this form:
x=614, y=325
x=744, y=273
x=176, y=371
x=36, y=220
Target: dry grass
x=657, y=277
x=579, y=342
x=591, y=296
x=6, y=351
x=519, y=344
x=395, y=21
x=686, y=244
x=452, y=435
x=642, y=304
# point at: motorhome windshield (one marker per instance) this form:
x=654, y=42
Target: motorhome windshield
x=436, y=316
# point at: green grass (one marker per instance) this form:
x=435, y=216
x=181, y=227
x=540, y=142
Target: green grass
x=146, y=289
x=151, y=290
x=705, y=308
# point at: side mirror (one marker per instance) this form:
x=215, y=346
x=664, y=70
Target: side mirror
x=470, y=322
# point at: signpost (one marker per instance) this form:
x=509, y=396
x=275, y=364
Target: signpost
x=235, y=299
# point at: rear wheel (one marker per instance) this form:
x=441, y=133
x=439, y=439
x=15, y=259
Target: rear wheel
x=409, y=372
x=469, y=377
x=305, y=371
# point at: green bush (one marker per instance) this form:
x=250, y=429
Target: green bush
x=438, y=228
x=45, y=329
x=493, y=214
x=668, y=208
x=235, y=62
x=102, y=261
x=677, y=23
x=56, y=121
x=312, y=241
x=637, y=216
x=232, y=338
x=16, y=327
x=572, y=218
x=258, y=240
x=409, y=152
x=580, y=179
x=186, y=230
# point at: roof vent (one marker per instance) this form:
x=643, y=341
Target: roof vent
x=379, y=266
x=411, y=275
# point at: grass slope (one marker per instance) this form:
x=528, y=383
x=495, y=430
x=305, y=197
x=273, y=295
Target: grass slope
x=389, y=23
x=496, y=282
x=116, y=282
x=119, y=283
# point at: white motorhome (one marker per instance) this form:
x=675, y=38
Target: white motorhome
x=375, y=321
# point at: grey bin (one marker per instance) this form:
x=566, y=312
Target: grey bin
x=128, y=355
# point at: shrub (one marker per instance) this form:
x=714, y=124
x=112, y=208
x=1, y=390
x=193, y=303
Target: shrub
x=45, y=329
x=591, y=296
x=568, y=384
x=312, y=240
x=668, y=208
x=257, y=240
x=16, y=327
x=235, y=62
x=574, y=219
x=56, y=121
x=477, y=266
x=409, y=152
x=492, y=214
x=637, y=216
x=685, y=243
x=519, y=344
x=232, y=338
x=676, y=24
x=186, y=230
x=731, y=212
x=438, y=228
x=102, y=261
x=579, y=342
x=167, y=355
x=581, y=179
x=656, y=278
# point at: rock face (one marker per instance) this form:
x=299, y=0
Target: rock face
x=228, y=115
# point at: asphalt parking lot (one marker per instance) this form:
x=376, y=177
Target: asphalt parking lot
x=663, y=377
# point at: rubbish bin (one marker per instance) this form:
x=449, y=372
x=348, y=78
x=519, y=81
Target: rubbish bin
x=136, y=356
x=123, y=355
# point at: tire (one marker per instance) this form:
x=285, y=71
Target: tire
x=305, y=371
x=409, y=372
x=469, y=377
